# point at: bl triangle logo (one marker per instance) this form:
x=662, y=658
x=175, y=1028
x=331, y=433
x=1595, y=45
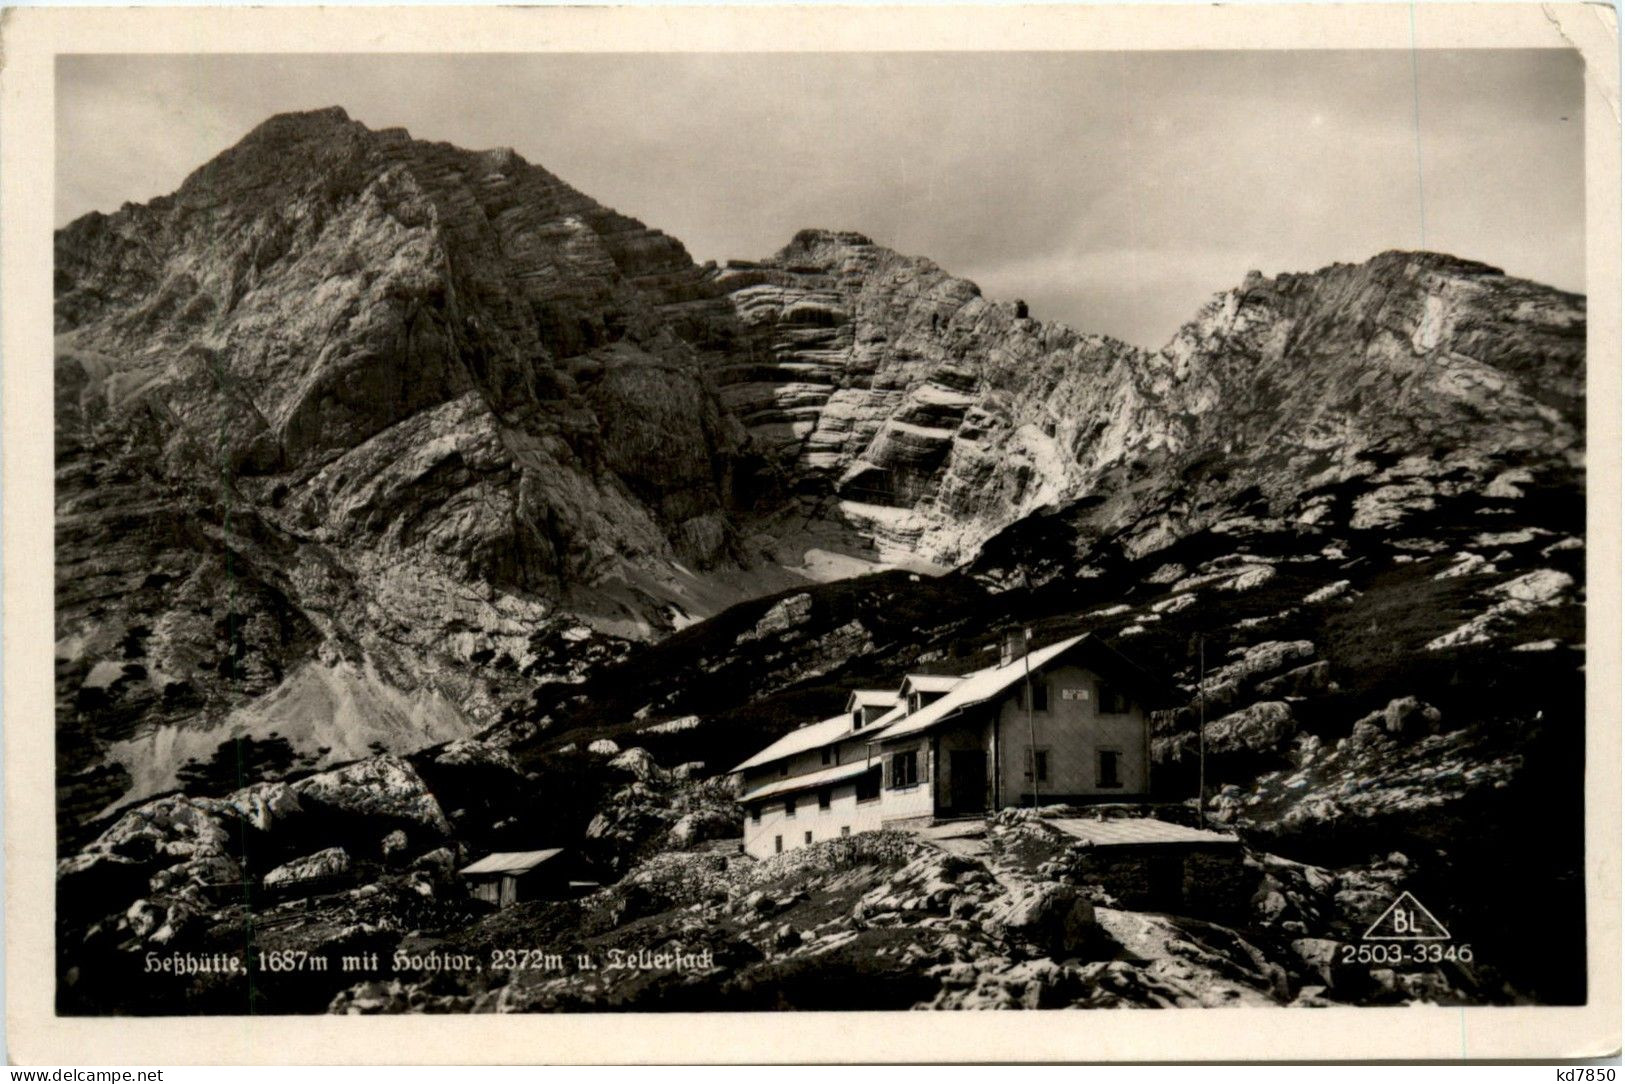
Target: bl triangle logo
x=1406, y=920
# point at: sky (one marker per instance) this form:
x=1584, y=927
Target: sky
x=1113, y=191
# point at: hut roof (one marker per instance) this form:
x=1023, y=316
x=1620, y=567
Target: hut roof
x=511, y=861
x=809, y=781
x=812, y=736
x=975, y=689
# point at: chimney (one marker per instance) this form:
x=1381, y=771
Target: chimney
x=1015, y=646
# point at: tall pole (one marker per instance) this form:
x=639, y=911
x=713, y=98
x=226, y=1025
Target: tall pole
x=1201, y=731
x=1032, y=732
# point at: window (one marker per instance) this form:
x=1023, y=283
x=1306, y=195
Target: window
x=790, y=806
x=1039, y=759
x=784, y=769
x=807, y=838
x=869, y=785
x=823, y=798
x=756, y=814
x=1040, y=695
x=1112, y=700
x=857, y=719
x=823, y=757
x=1108, y=769
x=905, y=768
x=846, y=829
x=919, y=700
x=778, y=844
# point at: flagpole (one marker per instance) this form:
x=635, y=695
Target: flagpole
x=1032, y=732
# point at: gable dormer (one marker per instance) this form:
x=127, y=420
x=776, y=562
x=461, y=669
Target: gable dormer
x=921, y=689
x=864, y=706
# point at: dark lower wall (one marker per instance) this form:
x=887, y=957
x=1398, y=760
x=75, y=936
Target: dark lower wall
x=1204, y=882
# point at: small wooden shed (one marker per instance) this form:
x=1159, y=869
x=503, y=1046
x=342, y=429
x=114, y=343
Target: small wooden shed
x=507, y=877
x=1155, y=865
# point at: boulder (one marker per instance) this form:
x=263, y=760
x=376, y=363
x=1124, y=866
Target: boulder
x=1319, y=956
x=1303, y=681
x=264, y=805
x=393, y=844
x=640, y=764
x=1261, y=660
x=1466, y=564
x=603, y=747
x=158, y=847
x=1406, y=717
x=1254, y=577
x=1175, y=604
x=325, y=863
x=382, y=788
x=1540, y=588
x=780, y=618
x=671, y=726
x=175, y=826
x=1508, y=484
x=1327, y=593
x=701, y=825
x=1057, y=918
x=469, y=752
x=1166, y=574
x=161, y=922
x=143, y=917
x=1258, y=728
x=441, y=860
x=203, y=869
x=1226, y=805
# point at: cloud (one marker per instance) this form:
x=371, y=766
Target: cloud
x=1115, y=191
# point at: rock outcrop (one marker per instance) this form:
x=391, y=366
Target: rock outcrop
x=926, y=416
x=330, y=862
x=341, y=425
x=933, y=418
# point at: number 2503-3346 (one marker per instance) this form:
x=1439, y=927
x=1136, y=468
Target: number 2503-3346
x=1406, y=954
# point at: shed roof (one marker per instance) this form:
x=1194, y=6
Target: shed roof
x=812, y=736
x=808, y=781
x=1138, y=831
x=976, y=688
x=511, y=861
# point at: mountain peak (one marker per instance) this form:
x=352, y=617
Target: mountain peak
x=1432, y=261
x=810, y=239
x=303, y=123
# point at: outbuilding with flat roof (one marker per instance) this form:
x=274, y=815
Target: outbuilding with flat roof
x=508, y=877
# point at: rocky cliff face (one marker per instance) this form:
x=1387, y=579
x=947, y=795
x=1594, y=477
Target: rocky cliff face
x=353, y=430
x=932, y=418
x=925, y=416
x=426, y=351
x=342, y=424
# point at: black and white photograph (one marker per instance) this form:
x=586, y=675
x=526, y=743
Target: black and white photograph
x=819, y=531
